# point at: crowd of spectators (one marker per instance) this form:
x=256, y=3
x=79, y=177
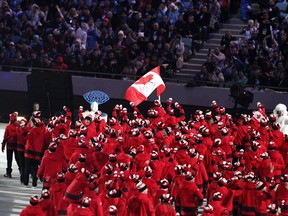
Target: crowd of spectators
x=115, y=37
x=260, y=58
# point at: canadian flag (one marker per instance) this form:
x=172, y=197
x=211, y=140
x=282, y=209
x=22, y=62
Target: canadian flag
x=143, y=87
x=257, y=115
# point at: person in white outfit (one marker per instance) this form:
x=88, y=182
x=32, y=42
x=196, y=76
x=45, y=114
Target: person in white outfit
x=81, y=34
x=282, y=117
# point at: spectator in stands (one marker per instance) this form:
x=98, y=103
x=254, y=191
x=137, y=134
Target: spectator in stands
x=203, y=18
x=163, y=24
x=192, y=30
x=217, y=75
x=130, y=71
x=170, y=33
x=248, y=29
x=81, y=34
x=244, y=10
x=32, y=61
x=180, y=25
x=35, y=16
x=239, y=77
x=50, y=31
x=274, y=11
x=283, y=82
x=215, y=10
x=50, y=43
x=264, y=27
x=110, y=63
x=225, y=41
x=59, y=64
x=173, y=13
x=178, y=49
x=169, y=56
x=10, y=52
x=17, y=61
x=162, y=10
x=202, y=75
x=219, y=56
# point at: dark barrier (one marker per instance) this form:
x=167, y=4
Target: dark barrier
x=50, y=90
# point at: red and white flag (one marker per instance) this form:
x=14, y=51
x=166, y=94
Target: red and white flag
x=143, y=87
x=257, y=115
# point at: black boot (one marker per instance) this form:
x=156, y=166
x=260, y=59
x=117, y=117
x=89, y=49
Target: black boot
x=34, y=182
x=8, y=173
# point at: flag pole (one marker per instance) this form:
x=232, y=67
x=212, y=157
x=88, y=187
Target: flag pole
x=159, y=98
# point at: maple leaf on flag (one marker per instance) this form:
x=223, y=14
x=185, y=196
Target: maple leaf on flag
x=145, y=79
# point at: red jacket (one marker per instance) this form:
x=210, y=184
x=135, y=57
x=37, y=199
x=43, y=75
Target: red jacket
x=265, y=133
x=47, y=139
x=248, y=199
x=151, y=185
x=157, y=195
x=35, y=143
x=250, y=161
x=48, y=207
x=133, y=141
x=22, y=138
x=69, y=146
x=226, y=141
x=262, y=201
x=171, y=121
x=140, y=205
x=157, y=166
x=213, y=186
x=264, y=170
x=91, y=132
x=96, y=203
x=279, y=163
x=201, y=179
x=242, y=132
x=100, y=126
x=90, y=163
x=207, y=141
x=110, y=146
x=140, y=161
x=32, y=211
x=51, y=164
x=165, y=209
x=177, y=182
x=100, y=159
x=201, y=148
x=277, y=136
x=75, y=190
x=57, y=191
x=218, y=208
x=77, y=210
x=282, y=194
x=70, y=176
x=10, y=136
x=120, y=204
x=62, y=128
x=168, y=170
x=189, y=197
x=182, y=157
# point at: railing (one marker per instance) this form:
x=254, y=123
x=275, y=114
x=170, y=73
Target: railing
x=187, y=83
x=78, y=72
